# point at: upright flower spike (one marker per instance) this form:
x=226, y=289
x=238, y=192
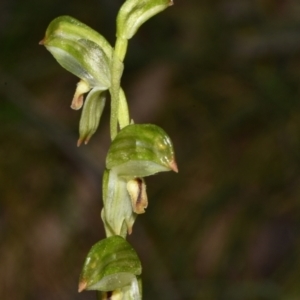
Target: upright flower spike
x=134, y=13
x=112, y=266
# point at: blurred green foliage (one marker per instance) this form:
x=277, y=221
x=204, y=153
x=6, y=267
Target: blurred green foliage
x=222, y=78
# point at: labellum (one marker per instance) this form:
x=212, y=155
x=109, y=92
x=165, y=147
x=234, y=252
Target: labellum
x=137, y=191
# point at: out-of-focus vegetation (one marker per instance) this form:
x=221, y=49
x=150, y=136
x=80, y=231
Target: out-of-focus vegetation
x=222, y=77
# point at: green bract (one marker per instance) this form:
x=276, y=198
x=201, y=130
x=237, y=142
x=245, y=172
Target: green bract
x=110, y=264
x=134, y=13
x=141, y=150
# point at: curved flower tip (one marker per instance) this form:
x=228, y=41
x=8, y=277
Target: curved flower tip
x=82, y=286
x=82, y=87
x=173, y=166
x=42, y=42
x=171, y=3
x=79, y=142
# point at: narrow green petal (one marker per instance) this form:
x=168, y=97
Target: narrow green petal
x=91, y=114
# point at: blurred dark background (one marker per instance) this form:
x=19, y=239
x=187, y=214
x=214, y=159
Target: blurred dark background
x=222, y=78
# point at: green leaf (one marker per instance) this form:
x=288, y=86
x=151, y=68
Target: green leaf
x=141, y=150
x=134, y=13
x=110, y=264
x=91, y=114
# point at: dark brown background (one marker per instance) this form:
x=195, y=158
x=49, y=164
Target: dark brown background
x=222, y=78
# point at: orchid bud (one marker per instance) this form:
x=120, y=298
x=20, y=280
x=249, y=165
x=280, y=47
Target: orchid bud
x=134, y=13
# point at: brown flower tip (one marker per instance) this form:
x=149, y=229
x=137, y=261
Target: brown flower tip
x=82, y=87
x=129, y=231
x=82, y=286
x=173, y=166
x=77, y=102
x=42, y=42
x=171, y=3
x=79, y=142
x=83, y=140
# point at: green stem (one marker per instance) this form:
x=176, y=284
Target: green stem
x=123, y=112
x=121, y=47
x=116, y=73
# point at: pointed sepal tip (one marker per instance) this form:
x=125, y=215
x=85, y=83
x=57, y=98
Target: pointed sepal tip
x=173, y=166
x=82, y=286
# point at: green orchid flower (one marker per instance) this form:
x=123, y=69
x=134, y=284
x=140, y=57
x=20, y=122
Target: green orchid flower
x=86, y=54
x=111, y=264
x=139, y=150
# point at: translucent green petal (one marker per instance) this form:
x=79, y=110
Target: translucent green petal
x=117, y=214
x=83, y=58
x=91, y=114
